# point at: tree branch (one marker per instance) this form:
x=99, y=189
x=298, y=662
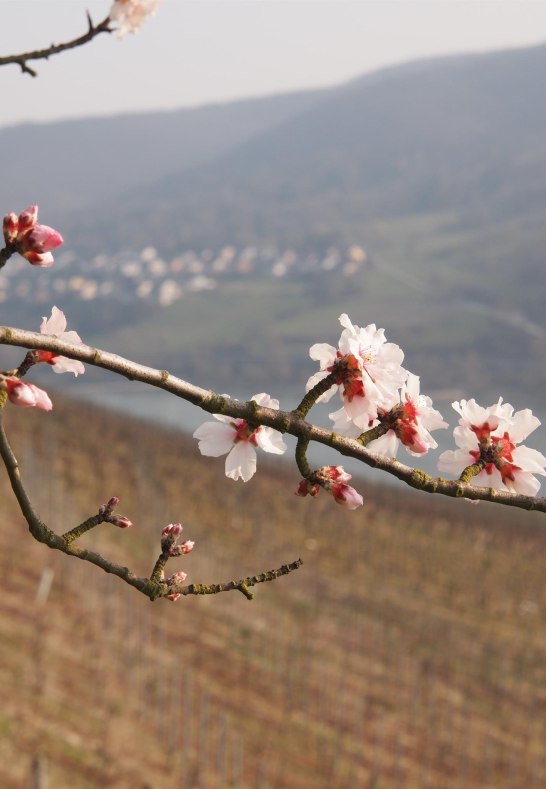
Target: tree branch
x=283, y=421
x=54, y=49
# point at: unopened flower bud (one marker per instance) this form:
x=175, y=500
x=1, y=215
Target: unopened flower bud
x=307, y=488
x=121, y=521
x=173, y=529
x=180, y=550
x=10, y=227
x=111, y=504
x=177, y=578
x=27, y=395
x=169, y=536
x=187, y=546
x=40, y=239
x=27, y=218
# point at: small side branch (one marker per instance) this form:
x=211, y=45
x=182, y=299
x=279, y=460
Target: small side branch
x=43, y=54
x=153, y=587
x=242, y=585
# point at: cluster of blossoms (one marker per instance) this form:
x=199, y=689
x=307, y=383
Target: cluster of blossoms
x=381, y=406
x=34, y=242
x=487, y=439
x=375, y=391
x=131, y=14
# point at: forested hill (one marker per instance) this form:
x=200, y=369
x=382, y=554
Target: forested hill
x=70, y=165
x=464, y=135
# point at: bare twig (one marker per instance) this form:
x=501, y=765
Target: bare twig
x=284, y=421
x=43, y=54
x=151, y=587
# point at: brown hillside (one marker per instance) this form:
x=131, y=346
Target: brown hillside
x=408, y=651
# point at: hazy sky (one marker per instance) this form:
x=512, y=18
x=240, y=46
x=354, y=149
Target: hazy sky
x=199, y=51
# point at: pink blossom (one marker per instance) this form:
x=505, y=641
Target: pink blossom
x=410, y=423
x=33, y=241
x=490, y=436
x=131, y=14
x=367, y=371
x=238, y=439
x=55, y=327
x=28, y=395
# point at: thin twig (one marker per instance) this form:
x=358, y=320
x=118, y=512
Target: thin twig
x=151, y=587
x=43, y=54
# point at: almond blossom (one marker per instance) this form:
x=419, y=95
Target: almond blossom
x=131, y=14
x=238, y=438
x=367, y=370
x=409, y=423
x=55, y=327
x=489, y=437
x=334, y=479
x=21, y=393
x=33, y=241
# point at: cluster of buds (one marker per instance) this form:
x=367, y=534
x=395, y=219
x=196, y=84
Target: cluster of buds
x=169, y=549
x=106, y=513
x=34, y=242
x=334, y=479
x=169, y=538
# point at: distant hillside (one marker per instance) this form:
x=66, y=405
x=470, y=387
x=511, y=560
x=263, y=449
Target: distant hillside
x=71, y=165
x=463, y=135
x=408, y=650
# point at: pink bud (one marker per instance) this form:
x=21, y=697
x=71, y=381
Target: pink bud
x=113, y=502
x=177, y=578
x=346, y=496
x=27, y=395
x=10, y=227
x=40, y=238
x=187, y=546
x=306, y=488
x=172, y=530
x=27, y=218
x=121, y=521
